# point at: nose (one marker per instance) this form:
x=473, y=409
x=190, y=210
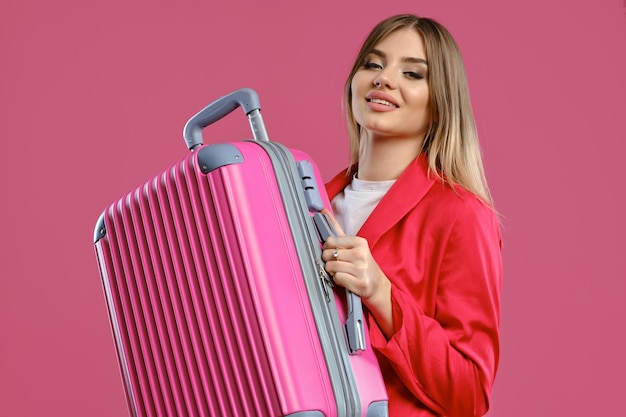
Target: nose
x=383, y=79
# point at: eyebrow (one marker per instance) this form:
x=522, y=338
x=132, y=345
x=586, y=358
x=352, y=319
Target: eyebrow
x=408, y=59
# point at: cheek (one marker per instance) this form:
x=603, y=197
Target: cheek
x=356, y=94
x=420, y=101
x=420, y=106
x=354, y=88
x=419, y=96
x=361, y=82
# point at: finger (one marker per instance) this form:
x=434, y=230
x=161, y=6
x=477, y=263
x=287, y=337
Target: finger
x=336, y=254
x=347, y=281
x=344, y=242
x=334, y=221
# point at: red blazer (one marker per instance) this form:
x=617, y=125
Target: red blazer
x=441, y=250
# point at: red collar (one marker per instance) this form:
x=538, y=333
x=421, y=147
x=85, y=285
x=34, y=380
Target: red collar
x=408, y=190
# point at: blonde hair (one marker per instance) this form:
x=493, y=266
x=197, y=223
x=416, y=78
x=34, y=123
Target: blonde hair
x=451, y=141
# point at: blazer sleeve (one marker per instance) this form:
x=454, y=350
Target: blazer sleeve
x=449, y=361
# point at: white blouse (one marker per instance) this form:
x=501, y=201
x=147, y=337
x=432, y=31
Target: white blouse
x=357, y=201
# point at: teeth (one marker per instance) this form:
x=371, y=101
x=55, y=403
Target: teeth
x=379, y=101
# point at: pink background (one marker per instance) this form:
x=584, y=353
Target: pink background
x=94, y=95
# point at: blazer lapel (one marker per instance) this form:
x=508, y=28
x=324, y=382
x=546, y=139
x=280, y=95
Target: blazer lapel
x=337, y=184
x=405, y=194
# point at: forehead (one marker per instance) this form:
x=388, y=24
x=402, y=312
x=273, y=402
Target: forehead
x=405, y=42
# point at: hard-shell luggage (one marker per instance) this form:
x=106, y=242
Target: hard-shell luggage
x=216, y=290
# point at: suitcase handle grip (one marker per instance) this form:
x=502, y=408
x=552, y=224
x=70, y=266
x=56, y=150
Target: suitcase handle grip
x=247, y=98
x=354, y=326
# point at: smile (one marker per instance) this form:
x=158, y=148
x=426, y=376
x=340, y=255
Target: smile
x=380, y=101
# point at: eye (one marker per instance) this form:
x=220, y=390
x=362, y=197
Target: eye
x=372, y=65
x=414, y=75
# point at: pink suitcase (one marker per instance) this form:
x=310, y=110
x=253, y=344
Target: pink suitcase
x=217, y=294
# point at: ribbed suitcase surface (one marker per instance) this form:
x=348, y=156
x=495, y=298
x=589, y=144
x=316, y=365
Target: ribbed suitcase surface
x=183, y=311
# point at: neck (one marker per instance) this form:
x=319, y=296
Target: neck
x=382, y=159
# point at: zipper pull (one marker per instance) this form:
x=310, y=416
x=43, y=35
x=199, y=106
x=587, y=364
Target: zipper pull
x=326, y=282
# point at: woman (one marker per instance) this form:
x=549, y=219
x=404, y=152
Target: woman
x=422, y=242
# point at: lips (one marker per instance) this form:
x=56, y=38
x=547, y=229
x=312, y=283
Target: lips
x=381, y=98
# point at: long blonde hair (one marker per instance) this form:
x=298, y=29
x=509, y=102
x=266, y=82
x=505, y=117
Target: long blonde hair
x=451, y=141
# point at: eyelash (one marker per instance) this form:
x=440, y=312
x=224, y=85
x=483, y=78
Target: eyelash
x=414, y=75
x=374, y=66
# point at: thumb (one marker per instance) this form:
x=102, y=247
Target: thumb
x=334, y=221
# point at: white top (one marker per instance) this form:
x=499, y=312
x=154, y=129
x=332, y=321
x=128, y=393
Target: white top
x=357, y=201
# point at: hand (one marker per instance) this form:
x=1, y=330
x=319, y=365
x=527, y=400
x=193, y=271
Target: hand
x=350, y=262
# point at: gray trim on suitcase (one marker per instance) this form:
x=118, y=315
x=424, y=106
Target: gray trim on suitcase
x=375, y=409
x=287, y=169
x=216, y=156
x=333, y=342
x=100, y=230
x=378, y=409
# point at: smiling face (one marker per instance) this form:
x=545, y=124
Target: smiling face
x=390, y=94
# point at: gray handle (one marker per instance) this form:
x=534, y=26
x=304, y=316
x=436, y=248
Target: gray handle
x=355, y=332
x=247, y=98
x=309, y=185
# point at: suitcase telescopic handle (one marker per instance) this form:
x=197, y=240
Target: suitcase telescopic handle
x=354, y=326
x=247, y=98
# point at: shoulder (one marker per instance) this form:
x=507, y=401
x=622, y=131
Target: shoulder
x=473, y=221
x=448, y=209
x=460, y=200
